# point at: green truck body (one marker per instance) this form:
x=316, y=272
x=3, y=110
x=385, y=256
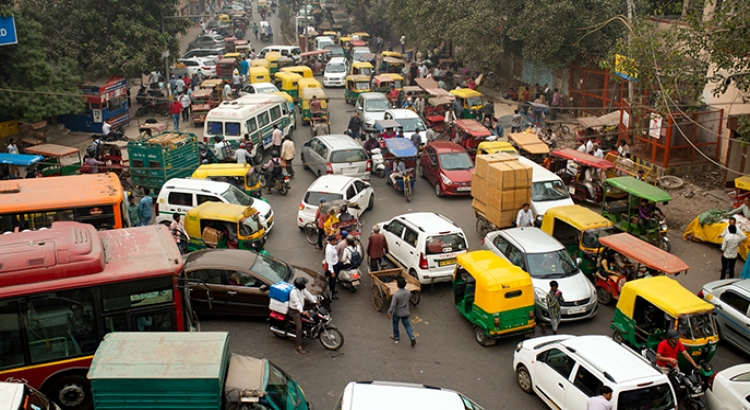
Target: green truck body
x=155, y=160
x=186, y=370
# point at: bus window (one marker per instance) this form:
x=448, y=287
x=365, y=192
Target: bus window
x=125, y=301
x=263, y=119
x=215, y=128
x=11, y=349
x=275, y=113
x=251, y=125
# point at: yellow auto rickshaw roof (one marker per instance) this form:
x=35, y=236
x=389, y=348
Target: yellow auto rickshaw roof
x=391, y=54
x=360, y=34
x=529, y=142
x=232, y=55
x=220, y=211
x=299, y=69
x=466, y=93
x=344, y=39
x=393, y=60
x=383, y=79
x=308, y=93
x=286, y=96
x=330, y=33
x=287, y=75
x=272, y=56
x=394, y=76
x=494, y=276
x=309, y=83
x=579, y=217
x=259, y=62
x=221, y=170
x=357, y=78
x=362, y=64
x=663, y=292
x=742, y=183
x=493, y=147
x=211, y=83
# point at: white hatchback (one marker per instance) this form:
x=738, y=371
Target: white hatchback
x=410, y=122
x=425, y=244
x=333, y=187
x=729, y=389
x=335, y=72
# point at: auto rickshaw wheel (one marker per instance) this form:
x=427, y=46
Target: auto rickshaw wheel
x=483, y=227
x=617, y=336
x=603, y=295
x=415, y=298
x=377, y=298
x=524, y=379
x=380, y=173
x=482, y=337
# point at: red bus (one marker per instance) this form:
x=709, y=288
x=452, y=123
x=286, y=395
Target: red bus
x=63, y=288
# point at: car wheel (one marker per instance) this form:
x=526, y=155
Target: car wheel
x=603, y=295
x=524, y=379
x=420, y=171
x=438, y=191
x=258, y=158
x=371, y=204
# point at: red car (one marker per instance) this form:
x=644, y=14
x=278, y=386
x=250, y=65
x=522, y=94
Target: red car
x=447, y=166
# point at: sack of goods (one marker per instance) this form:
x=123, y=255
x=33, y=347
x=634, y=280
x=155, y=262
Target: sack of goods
x=278, y=297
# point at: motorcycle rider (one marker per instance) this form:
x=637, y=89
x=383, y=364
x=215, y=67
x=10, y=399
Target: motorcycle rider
x=667, y=350
x=273, y=169
x=371, y=143
x=297, y=298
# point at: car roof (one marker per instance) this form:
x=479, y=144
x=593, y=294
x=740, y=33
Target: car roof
x=400, y=396
x=334, y=60
x=197, y=184
x=744, y=284
x=610, y=358
x=446, y=146
x=220, y=257
x=339, y=141
x=373, y=96
x=400, y=113
x=531, y=240
x=263, y=85
x=330, y=183
x=429, y=222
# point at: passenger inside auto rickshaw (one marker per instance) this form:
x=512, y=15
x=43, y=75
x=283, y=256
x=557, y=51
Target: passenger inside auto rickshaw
x=609, y=269
x=389, y=133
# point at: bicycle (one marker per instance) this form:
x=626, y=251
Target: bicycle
x=558, y=127
x=311, y=233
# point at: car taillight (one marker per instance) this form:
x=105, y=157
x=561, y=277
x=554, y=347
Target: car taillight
x=711, y=381
x=422, y=261
x=301, y=206
x=205, y=140
x=368, y=166
x=205, y=67
x=531, y=314
x=484, y=239
x=700, y=294
x=329, y=168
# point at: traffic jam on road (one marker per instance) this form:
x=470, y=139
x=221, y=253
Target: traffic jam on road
x=174, y=274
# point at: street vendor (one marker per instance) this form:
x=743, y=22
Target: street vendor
x=743, y=209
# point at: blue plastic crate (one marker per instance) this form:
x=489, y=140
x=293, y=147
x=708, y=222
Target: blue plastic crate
x=280, y=291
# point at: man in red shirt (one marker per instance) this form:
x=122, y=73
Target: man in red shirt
x=320, y=221
x=666, y=352
x=393, y=96
x=175, y=108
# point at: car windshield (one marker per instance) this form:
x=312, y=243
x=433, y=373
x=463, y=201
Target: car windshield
x=452, y=242
x=474, y=101
x=272, y=268
x=313, y=198
x=697, y=326
x=335, y=68
x=235, y=196
x=455, y=161
x=548, y=191
x=266, y=89
x=657, y=397
x=336, y=51
x=555, y=264
x=411, y=124
x=250, y=225
x=376, y=105
x=591, y=237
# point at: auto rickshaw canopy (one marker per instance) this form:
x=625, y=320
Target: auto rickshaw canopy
x=639, y=189
x=363, y=80
x=578, y=217
x=308, y=83
x=236, y=56
x=398, y=79
x=528, y=142
x=357, y=43
x=301, y=70
x=259, y=62
x=392, y=61
x=582, y=158
x=259, y=75
x=473, y=127
x=494, y=147
x=307, y=94
x=51, y=150
x=219, y=211
x=663, y=292
x=23, y=160
x=391, y=54
x=359, y=65
x=465, y=93
x=383, y=80
x=362, y=35
x=742, y=183
x=206, y=171
x=286, y=96
x=287, y=80
x=272, y=56
x=212, y=83
x=644, y=253
x=498, y=282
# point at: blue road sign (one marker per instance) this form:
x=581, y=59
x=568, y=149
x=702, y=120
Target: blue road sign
x=8, y=31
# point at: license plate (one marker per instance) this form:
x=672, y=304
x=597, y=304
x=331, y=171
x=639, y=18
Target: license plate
x=463, y=189
x=355, y=283
x=446, y=262
x=576, y=310
x=350, y=170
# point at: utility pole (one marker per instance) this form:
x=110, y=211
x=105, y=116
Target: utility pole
x=631, y=87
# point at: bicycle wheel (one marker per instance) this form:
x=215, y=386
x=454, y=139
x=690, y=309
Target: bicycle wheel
x=311, y=233
x=565, y=129
x=407, y=190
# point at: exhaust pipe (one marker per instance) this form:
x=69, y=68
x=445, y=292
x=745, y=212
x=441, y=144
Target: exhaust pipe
x=281, y=332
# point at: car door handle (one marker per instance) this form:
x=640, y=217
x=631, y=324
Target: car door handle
x=398, y=244
x=561, y=386
x=719, y=307
x=231, y=293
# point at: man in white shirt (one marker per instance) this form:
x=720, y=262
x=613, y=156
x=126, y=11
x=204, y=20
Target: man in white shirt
x=106, y=128
x=590, y=146
x=732, y=240
x=287, y=154
x=524, y=218
x=600, y=402
x=185, y=102
x=222, y=149
x=398, y=171
x=297, y=298
x=403, y=43
x=333, y=266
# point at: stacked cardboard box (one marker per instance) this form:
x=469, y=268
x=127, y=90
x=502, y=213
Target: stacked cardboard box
x=278, y=297
x=500, y=186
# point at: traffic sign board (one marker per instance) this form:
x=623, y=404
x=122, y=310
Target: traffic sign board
x=8, y=31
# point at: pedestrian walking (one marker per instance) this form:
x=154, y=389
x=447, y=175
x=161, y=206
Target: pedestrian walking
x=524, y=218
x=277, y=137
x=255, y=30
x=399, y=311
x=13, y=149
x=489, y=112
x=179, y=86
x=555, y=103
x=227, y=91
x=333, y=265
x=554, y=298
x=177, y=228
x=287, y=155
x=175, y=108
x=402, y=40
x=377, y=247
x=185, y=103
x=134, y=212
x=732, y=240
x=146, y=204
x=320, y=222
x=600, y=402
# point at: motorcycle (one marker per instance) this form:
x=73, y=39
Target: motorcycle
x=116, y=134
x=154, y=106
x=318, y=325
x=145, y=94
x=689, y=388
x=349, y=278
x=378, y=163
x=280, y=183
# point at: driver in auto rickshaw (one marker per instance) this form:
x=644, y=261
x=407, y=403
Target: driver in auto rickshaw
x=612, y=270
x=646, y=214
x=399, y=170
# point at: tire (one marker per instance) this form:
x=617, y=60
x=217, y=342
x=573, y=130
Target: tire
x=371, y=203
x=258, y=158
x=164, y=111
x=380, y=173
x=353, y=289
x=617, y=337
x=479, y=336
x=483, y=227
x=407, y=193
x=311, y=233
x=523, y=378
x=283, y=189
x=70, y=392
x=141, y=111
x=377, y=297
x=438, y=192
x=331, y=338
x=415, y=298
x=603, y=296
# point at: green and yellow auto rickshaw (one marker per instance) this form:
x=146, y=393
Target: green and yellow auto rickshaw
x=356, y=85
x=362, y=68
x=288, y=83
x=220, y=225
x=471, y=100
x=579, y=230
x=648, y=307
x=273, y=60
x=243, y=176
x=303, y=71
x=622, y=197
x=306, y=95
x=59, y=160
x=496, y=296
x=259, y=75
x=495, y=147
x=391, y=65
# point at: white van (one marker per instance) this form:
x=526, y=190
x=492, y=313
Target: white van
x=547, y=190
x=286, y=51
x=253, y=114
x=179, y=195
x=379, y=395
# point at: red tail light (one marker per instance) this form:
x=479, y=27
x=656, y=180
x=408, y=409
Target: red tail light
x=531, y=314
x=286, y=177
x=497, y=322
x=206, y=68
x=329, y=168
x=700, y=294
x=422, y=261
x=368, y=167
x=484, y=239
x=711, y=381
x=355, y=276
x=301, y=206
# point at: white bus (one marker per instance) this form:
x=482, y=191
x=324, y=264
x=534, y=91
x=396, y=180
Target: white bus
x=253, y=114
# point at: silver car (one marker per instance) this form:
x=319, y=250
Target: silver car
x=371, y=107
x=731, y=300
x=336, y=154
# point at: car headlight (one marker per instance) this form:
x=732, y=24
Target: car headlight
x=540, y=295
x=445, y=180
x=592, y=289
x=519, y=346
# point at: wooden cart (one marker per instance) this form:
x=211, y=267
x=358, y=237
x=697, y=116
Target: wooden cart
x=384, y=286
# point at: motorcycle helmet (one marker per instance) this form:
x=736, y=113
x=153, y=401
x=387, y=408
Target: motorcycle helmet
x=274, y=154
x=322, y=200
x=300, y=283
x=344, y=233
x=672, y=334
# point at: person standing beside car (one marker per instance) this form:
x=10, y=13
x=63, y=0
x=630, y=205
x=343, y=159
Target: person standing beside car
x=377, y=247
x=554, y=299
x=287, y=155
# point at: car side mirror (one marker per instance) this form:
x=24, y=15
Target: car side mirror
x=264, y=287
x=306, y=144
x=359, y=107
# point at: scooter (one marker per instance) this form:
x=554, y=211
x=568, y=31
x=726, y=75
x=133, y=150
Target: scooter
x=350, y=278
x=318, y=325
x=378, y=163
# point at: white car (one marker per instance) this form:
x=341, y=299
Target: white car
x=731, y=298
x=565, y=371
x=378, y=395
x=410, y=122
x=321, y=42
x=258, y=88
x=425, y=244
x=206, y=65
x=335, y=72
x=371, y=107
x=546, y=259
x=333, y=187
x=729, y=389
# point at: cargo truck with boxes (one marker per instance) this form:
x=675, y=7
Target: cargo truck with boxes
x=186, y=370
x=155, y=160
x=500, y=186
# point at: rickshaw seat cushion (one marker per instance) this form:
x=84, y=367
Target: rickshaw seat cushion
x=435, y=118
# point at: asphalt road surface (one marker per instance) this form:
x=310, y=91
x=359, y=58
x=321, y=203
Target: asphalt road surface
x=446, y=354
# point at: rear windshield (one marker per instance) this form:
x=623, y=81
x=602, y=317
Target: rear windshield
x=349, y=155
x=313, y=198
x=452, y=242
x=657, y=397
